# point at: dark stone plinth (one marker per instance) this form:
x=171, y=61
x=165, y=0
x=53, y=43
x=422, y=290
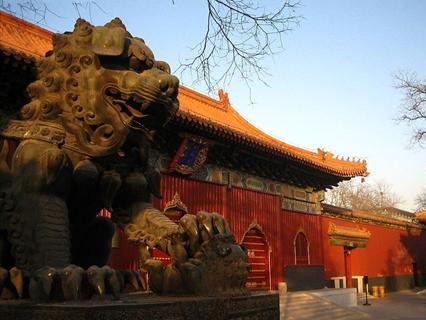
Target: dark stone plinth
x=143, y=307
x=304, y=277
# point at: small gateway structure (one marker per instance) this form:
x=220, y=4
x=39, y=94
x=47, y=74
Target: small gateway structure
x=350, y=238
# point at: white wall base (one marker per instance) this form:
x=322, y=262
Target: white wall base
x=359, y=280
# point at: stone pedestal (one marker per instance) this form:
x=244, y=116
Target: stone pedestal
x=142, y=306
x=282, y=288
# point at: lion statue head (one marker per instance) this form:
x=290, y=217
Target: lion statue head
x=99, y=84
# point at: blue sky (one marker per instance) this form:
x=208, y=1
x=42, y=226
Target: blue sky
x=331, y=87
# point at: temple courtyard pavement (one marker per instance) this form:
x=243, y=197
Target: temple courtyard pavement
x=406, y=305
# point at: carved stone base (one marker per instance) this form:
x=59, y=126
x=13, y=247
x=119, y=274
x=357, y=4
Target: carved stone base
x=139, y=306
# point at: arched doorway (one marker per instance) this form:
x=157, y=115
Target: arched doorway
x=258, y=258
x=301, y=249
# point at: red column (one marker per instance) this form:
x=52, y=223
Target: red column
x=348, y=266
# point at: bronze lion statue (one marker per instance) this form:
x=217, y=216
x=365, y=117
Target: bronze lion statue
x=82, y=144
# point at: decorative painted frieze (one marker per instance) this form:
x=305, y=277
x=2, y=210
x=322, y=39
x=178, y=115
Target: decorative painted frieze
x=293, y=204
x=292, y=198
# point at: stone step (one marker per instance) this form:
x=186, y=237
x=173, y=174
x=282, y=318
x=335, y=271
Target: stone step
x=295, y=304
x=300, y=306
x=318, y=306
x=321, y=314
x=317, y=309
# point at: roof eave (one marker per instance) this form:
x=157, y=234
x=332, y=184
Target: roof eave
x=259, y=144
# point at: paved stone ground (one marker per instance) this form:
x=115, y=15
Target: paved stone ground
x=406, y=305
x=304, y=306
x=401, y=305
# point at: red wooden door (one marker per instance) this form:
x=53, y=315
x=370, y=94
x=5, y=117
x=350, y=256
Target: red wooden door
x=301, y=249
x=258, y=258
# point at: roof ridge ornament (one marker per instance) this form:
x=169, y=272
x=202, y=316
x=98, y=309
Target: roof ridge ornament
x=325, y=155
x=224, y=98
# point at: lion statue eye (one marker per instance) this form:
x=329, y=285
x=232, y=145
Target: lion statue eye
x=135, y=64
x=140, y=56
x=138, y=52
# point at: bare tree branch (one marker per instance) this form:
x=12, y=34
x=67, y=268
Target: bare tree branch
x=413, y=109
x=362, y=196
x=87, y=5
x=421, y=200
x=239, y=35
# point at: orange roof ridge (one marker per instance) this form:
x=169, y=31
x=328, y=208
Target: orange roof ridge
x=197, y=105
x=29, y=39
x=204, y=99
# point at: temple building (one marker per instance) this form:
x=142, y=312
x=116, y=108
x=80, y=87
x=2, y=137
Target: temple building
x=270, y=192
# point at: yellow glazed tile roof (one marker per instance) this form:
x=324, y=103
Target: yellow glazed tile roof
x=222, y=116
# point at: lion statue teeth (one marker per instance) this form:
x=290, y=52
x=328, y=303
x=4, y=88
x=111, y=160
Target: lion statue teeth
x=82, y=144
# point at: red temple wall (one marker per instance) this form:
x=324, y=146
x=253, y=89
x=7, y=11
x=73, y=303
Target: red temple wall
x=196, y=195
x=310, y=225
x=239, y=206
x=390, y=251
x=242, y=207
x=245, y=207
